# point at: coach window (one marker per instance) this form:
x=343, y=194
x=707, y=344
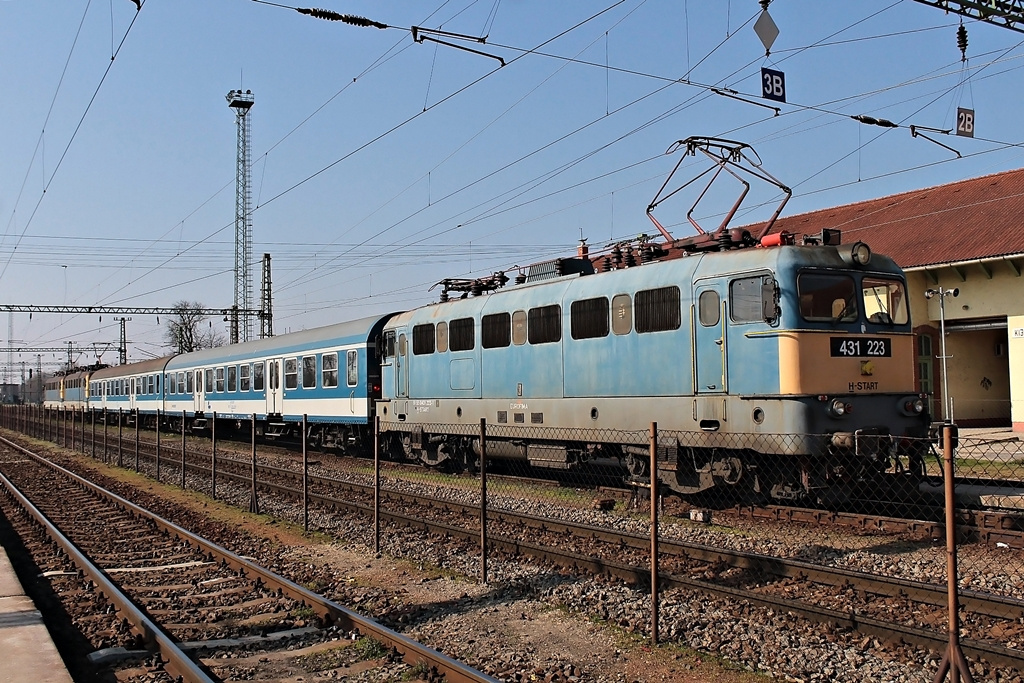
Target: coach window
x=243, y=377
x=442, y=337
x=622, y=314
x=588, y=318
x=544, y=324
x=257, y=376
x=309, y=372
x=352, y=368
x=189, y=386
x=657, y=310
x=220, y=380
x=232, y=378
x=209, y=380
x=330, y=370
x=422, y=339
x=291, y=373
x=181, y=383
x=389, y=344
x=496, y=331
x=827, y=297
x=461, y=335
x=519, y=328
x=709, y=308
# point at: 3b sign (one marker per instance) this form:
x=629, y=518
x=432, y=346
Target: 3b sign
x=773, y=85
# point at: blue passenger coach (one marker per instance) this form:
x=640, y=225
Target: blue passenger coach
x=778, y=369
x=328, y=373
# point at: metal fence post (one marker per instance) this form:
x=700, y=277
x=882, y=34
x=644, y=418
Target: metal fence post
x=483, y=500
x=105, y=431
x=953, y=661
x=305, y=477
x=183, y=449
x=254, y=503
x=654, y=533
x=136, y=442
x=120, y=439
x=213, y=457
x=138, y=418
x=92, y=416
x=376, y=484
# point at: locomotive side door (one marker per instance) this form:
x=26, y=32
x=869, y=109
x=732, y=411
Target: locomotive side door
x=402, y=367
x=710, y=343
x=274, y=391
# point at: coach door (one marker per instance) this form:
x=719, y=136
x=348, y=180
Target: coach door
x=197, y=393
x=709, y=337
x=274, y=392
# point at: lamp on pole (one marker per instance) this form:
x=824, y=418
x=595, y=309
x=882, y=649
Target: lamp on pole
x=942, y=294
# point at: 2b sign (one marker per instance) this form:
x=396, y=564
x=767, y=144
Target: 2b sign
x=773, y=85
x=965, y=122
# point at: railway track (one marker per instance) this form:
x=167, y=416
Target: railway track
x=179, y=594
x=871, y=604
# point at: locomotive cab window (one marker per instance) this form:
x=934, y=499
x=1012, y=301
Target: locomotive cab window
x=422, y=339
x=885, y=302
x=588, y=318
x=330, y=370
x=827, y=297
x=746, y=304
x=496, y=330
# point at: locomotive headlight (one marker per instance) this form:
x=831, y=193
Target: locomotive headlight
x=914, y=406
x=839, y=409
x=857, y=254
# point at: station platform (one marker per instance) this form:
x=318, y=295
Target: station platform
x=27, y=652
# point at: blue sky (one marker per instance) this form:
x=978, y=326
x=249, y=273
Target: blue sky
x=382, y=165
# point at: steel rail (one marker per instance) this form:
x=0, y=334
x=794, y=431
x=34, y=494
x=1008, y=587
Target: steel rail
x=176, y=662
x=411, y=651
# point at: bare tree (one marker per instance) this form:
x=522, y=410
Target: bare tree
x=190, y=329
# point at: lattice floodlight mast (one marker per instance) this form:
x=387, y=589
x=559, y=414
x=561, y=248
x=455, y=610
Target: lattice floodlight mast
x=266, y=313
x=1006, y=13
x=241, y=330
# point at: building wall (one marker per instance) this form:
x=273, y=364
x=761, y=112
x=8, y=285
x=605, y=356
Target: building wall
x=1015, y=346
x=982, y=381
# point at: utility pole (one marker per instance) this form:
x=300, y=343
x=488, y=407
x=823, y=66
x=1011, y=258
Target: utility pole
x=241, y=322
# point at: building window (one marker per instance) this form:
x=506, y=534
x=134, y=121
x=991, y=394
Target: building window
x=657, y=310
x=588, y=318
x=496, y=331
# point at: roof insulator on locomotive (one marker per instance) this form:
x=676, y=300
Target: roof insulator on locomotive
x=616, y=256
x=559, y=270
x=606, y=264
x=520, y=276
x=856, y=254
x=630, y=258
x=829, y=237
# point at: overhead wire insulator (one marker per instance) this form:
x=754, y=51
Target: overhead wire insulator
x=872, y=121
x=961, y=41
x=330, y=15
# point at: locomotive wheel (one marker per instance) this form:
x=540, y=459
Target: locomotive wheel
x=636, y=466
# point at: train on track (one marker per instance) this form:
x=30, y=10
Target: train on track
x=770, y=366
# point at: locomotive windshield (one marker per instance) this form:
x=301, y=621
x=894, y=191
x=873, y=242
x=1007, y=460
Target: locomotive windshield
x=834, y=298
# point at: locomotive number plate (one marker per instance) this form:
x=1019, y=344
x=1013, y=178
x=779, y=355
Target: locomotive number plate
x=860, y=347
